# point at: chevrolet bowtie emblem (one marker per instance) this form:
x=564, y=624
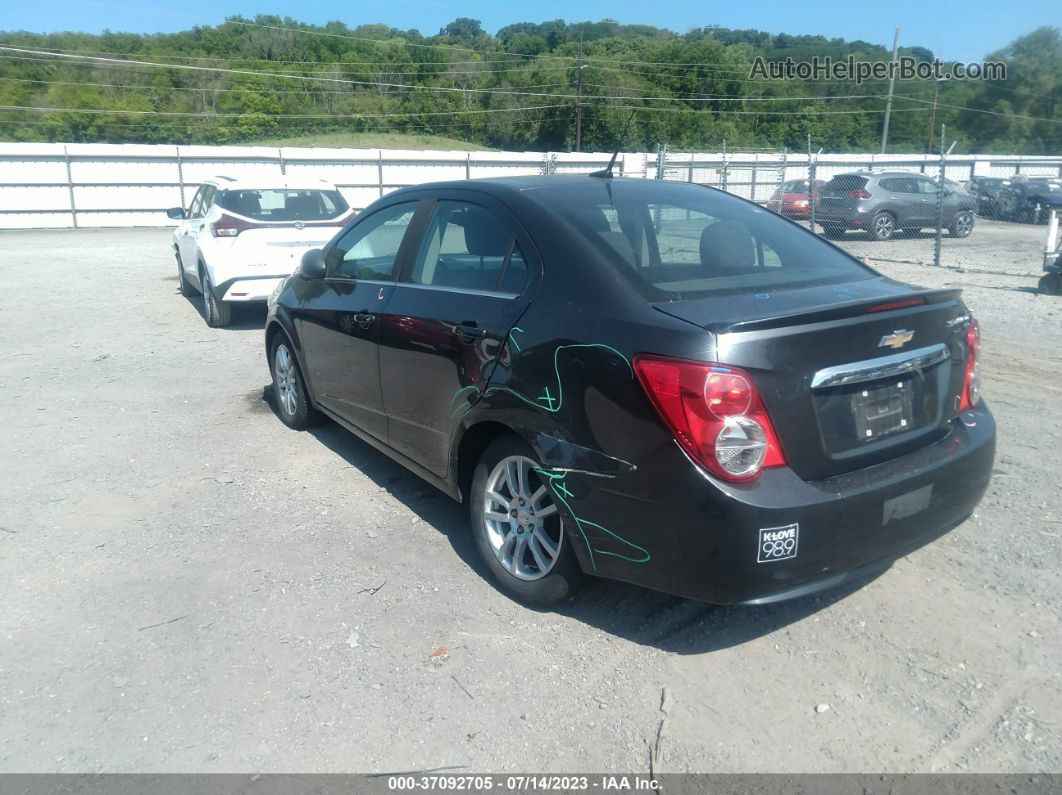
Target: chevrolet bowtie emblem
x=897, y=339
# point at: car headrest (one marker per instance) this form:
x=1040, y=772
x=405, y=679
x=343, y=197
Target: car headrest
x=727, y=246
x=596, y=220
x=484, y=236
x=247, y=203
x=301, y=205
x=621, y=245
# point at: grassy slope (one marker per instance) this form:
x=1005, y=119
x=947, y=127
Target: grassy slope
x=373, y=140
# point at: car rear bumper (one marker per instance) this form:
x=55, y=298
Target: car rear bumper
x=705, y=539
x=253, y=289
x=847, y=219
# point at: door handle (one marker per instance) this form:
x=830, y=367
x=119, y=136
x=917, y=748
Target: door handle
x=364, y=319
x=470, y=330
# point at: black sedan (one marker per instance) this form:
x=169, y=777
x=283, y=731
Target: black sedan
x=649, y=381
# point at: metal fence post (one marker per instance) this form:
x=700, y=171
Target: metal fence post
x=752, y=184
x=468, y=165
x=180, y=177
x=70, y=187
x=812, y=169
x=661, y=159
x=379, y=172
x=726, y=167
x=940, y=200
x=283, y=165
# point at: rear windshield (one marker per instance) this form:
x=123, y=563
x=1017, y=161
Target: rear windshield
x=284, y=204
x=843, y=184
x=679, y=241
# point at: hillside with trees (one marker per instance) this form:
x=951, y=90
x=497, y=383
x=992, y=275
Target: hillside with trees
x=524, y=88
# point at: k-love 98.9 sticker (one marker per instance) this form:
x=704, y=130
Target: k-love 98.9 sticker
x=778, y=543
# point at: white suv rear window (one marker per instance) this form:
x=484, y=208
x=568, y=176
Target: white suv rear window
x=282, y=204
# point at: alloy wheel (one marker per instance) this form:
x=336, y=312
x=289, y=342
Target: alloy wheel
x=286, y=384
x=884, y=227
x=522, y=523
x=964, y=224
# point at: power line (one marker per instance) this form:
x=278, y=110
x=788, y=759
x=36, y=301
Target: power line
x=989, y=112
x=201, y=115
x=704, y=98
x=257, y=73
x=259, y=87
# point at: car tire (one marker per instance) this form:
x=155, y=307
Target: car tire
x=289, y=388
x=1051, y=284
x=882, y=226
x=833, y=232
x=963, y=224
x=218, y=313
x=183, y=284
x=529, y=556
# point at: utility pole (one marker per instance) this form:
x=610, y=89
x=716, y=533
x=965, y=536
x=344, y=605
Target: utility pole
x=892, y=85
x=933, y=118
x=579, y=99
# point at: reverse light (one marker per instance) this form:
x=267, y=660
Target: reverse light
x=971, y=387
x=715, y=413
x=227, y=226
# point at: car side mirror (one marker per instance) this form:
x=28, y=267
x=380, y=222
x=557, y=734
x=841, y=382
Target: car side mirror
x=313, y=264
x=176, y=213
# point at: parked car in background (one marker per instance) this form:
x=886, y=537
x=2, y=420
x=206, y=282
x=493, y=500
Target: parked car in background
x=1030, y=199
x=986, y=190
x=793, y=198
x=884, y=203
x=644, y=380
x=239, y=237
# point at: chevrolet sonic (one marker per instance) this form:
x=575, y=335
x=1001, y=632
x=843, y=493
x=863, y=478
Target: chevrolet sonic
x=648, y=381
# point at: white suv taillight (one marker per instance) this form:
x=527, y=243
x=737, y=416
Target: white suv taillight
x=715, y=413
x=227, y=226
x=971, y=387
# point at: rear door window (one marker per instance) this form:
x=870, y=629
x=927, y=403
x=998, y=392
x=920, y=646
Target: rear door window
x=467, y=247
x=195, y=209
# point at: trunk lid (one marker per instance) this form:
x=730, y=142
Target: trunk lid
x=852, y=375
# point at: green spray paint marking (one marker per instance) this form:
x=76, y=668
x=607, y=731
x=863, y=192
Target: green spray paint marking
x=559, y=399
x=555, y=479
x=547, y=398
x=512, y=339
x=552, y=404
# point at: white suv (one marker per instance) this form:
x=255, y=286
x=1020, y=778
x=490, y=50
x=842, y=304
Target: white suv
x=240, y=237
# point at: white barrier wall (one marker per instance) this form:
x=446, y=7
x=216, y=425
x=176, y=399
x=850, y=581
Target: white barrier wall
x=101, y=185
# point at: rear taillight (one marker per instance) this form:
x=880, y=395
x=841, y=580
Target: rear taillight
x=859, y=193
x=971, y=387
x=227, y=226
x=715, y=413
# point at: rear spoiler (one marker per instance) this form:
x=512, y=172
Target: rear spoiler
x=908, y=300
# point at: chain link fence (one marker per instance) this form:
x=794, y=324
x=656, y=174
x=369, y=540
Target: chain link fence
x=947, y=210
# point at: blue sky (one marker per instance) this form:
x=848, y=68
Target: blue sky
x=953, y=30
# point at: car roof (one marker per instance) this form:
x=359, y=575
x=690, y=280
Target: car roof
x=529, y=185
x=269, y=181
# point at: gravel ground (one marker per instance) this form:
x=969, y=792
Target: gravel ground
x=187, y=585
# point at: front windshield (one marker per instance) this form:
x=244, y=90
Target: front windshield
x=677, y=241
